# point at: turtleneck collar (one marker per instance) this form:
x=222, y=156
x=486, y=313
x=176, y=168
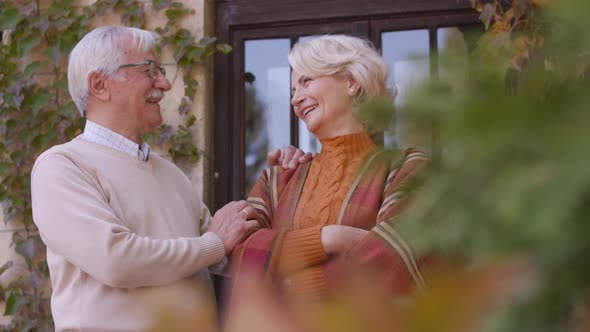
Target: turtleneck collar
x=351, y=145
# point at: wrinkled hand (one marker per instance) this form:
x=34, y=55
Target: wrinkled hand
x=289, y=157
x=232, y=222
x=337, y=239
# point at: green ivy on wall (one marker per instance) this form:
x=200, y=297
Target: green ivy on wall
x=36, y=113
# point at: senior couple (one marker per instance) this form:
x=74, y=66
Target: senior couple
x=122, y=223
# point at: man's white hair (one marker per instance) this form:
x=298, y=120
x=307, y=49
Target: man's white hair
x=103, y=50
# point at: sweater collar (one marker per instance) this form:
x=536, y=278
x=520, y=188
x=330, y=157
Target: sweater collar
x=350, y=146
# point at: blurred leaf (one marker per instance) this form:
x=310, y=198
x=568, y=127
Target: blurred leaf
x=9, y=18
x=27, y=248
x=487, y=14
x=13, y=304
x=17, y=157
x=37, y=101
x=33, y=67
x=5, y=267
x=224, y=48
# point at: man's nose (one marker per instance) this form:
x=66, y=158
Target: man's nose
x=162, y=83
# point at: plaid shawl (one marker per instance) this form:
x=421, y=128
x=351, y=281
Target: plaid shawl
x=372, y=203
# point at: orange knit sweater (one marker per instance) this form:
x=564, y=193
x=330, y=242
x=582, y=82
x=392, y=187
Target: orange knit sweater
x=329, y=179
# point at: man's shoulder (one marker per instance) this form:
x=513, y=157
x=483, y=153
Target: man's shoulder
x=65, y=149
x=57, y=153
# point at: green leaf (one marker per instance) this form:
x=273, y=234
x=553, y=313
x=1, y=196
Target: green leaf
x=37, y=101
x=206, y=41
x=27, y=248
x=26, y=44
x=5, y=267
x=14, y=303
x=33, y=67
x=193, y=52
x=41, y=141
x=149, y=138
x=190, y=121
x=28, y=218
x=4, y=168
x=160, y=4
x=28, y=134
x=9, y=19
x=224, y=48
x=17, y=157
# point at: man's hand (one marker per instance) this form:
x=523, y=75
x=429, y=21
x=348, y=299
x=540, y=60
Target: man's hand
x=289, y=157
x=337, y=239
x=232, y=222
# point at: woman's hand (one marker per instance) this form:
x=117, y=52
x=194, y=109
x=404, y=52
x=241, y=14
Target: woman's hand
x=337, y=239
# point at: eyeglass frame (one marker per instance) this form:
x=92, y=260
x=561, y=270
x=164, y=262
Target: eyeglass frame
x=148, y=63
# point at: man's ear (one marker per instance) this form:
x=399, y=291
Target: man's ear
x=97, y=86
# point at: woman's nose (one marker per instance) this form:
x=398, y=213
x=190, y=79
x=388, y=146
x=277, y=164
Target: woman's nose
x=296, y=99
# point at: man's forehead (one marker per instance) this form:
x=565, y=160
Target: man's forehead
x=133, y=54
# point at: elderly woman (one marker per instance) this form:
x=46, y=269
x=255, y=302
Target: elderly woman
x=340, y=207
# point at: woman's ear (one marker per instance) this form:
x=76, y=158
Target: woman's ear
x=353, y=87
x=97, y=86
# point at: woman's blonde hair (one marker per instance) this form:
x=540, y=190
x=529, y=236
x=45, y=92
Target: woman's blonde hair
x=342, y=55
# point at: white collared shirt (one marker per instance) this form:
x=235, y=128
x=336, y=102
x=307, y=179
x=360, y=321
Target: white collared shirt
x=101, y=135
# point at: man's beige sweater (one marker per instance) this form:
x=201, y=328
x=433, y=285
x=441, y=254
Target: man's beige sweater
x=118, y=231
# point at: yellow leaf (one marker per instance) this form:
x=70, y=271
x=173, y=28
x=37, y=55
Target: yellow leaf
x=540, y=2
x=509, y=15
x=479, y=7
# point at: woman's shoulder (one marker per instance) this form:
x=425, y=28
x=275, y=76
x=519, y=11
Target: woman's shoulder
x=400, y=155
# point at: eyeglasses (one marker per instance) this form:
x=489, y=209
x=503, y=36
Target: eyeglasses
x=153, y=68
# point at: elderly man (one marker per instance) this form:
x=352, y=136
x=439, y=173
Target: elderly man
x=120, y=222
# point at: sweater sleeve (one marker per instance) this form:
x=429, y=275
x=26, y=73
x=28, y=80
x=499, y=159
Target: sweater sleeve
x=75, y=221
x=383, y=251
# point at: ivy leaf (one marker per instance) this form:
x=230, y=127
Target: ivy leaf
x=13, y=304
x=487, y=14
x=190, y=121
x=160, y=4
x=223, y=48
x=18, y=100
x=28, y=218
x=9, y=19
x=28, y=134
x=53, y=53
x=27, y=248
x=34, y=66
x=37, y=101
x=5, y=267
x=26, y=44
x=4, y=168
x=17, y=157
x=206, y=41
x=193, y=52
x=41, y=141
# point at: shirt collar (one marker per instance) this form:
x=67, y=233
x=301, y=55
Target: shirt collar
x=96, y=133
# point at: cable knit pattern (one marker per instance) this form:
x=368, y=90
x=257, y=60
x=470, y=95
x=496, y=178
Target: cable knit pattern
x=330, y=177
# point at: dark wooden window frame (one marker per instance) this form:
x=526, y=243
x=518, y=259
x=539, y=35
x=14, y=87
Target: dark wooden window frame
x=240, y=20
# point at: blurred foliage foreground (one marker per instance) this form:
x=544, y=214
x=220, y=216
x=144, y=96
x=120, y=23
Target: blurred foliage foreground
x=507, y=204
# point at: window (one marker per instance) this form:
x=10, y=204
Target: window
x=252, y=84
